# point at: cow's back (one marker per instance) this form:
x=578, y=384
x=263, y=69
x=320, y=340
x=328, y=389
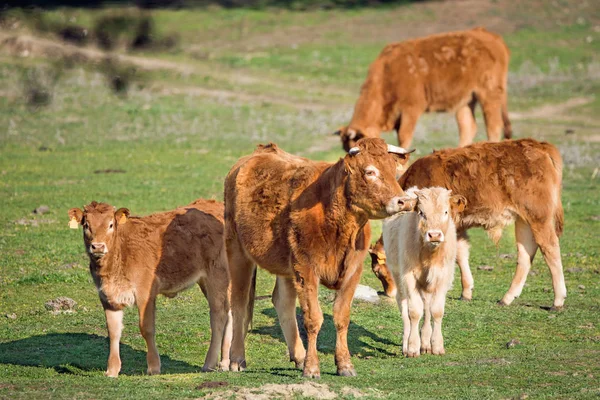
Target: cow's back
x=258, y=193
x=176, y=247
x=499, y=180
x=442, y=71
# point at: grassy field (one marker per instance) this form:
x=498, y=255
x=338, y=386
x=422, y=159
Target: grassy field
x=237, y=78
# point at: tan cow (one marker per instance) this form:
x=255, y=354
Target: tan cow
x=307, y=223
x=449, y=72
x=133, y=259
x=516, y=180
x=421, y=251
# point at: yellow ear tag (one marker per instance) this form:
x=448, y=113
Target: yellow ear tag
x=123, y=219
x=73, y=224
x=381, y=258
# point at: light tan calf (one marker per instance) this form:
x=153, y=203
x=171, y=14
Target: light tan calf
x=133, y=259
x=421, y=251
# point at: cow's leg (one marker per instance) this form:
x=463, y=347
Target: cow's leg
x=467, y=128
x=242, y=272
x=492, y=113
x=114, y=323
x=415, y=312
x=546, y=238
x=218, y=302
x=438, y=303
x=307, y=287
x=426, y=328
x=403, y=304
x=409, y=120
x=147, y=308
x=462, y=258
x=341, y=319
x=284, y=300
x=526, y=248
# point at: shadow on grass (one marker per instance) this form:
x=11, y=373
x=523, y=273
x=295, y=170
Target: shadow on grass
x=78, y=353
x=327, y=335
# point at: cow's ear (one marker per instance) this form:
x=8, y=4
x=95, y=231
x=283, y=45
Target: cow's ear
x=121, y=216
x=457, y=204
x=75, y=217
x=339, y=131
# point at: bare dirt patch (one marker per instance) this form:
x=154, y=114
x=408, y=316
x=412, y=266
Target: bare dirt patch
x=277, y=391
x=551, y=111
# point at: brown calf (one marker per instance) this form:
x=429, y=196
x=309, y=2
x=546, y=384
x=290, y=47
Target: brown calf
x=307, y=223
x=448, y=72
x=421, y=251
x=133, y=259
x=517, y=180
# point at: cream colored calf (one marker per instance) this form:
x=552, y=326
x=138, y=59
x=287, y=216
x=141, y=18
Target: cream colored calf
x=421, y=252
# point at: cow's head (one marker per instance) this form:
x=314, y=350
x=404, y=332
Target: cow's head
x=349, y=136
x=436, y=207
x=100, y=224
x=372, y=186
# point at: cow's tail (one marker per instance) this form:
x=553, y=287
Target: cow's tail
x=505, y=119
x=252, y=295
x=557, y=163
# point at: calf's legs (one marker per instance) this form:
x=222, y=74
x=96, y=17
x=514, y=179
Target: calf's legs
x=114, y=323
x=547, y=240
x=147, y=309
x=242, y=281
x=341, y=319
x=526, y=248
x=408, y=121
x=415, y=312
x=467, y=128
x=284, y=300
x=218, y=300
x=307, y=287
x=462, y=258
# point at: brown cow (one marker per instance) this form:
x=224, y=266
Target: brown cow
x=517, y=180
x=447, y=72
x=133, y=259
x=307, y=223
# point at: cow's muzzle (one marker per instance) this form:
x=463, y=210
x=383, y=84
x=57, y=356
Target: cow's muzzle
x=401, y=204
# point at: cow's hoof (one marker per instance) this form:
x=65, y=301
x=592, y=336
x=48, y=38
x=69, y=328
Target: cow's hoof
x=465, y=298
x=557, y=308
x=311, y=373
x=347, y=371
x=153, y=371
x=237, y=366
x=438, y=352
x=412, y=354
x=224, y=365
x=425, y=350
x=299, y=364
x=501, y=303
x=111, y=374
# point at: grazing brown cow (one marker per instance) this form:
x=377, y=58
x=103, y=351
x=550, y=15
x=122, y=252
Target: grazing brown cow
x=421, y=251
x=517, y=180
x=307, y=223
x=133, y=259
x=448, y=72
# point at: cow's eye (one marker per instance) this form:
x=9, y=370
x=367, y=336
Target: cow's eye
x=111, y=225
x=422, y=214
x=370, y=172
x=86, y=226
x=446, y=212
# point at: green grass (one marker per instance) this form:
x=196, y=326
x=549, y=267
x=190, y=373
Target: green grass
x=177, y=145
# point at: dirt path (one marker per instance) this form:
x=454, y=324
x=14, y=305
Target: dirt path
x=553, y=111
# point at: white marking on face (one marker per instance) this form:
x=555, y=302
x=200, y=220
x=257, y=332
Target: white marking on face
x=372, y=173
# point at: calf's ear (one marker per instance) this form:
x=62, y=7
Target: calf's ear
x=457, y=204
x=339, y=131
x=121, y=216
x=75, y=217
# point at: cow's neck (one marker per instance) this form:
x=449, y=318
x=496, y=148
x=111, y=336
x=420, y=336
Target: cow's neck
x=110, y=267
x=341, y=214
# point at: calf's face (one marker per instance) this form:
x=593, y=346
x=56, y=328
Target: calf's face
x=436, y=207
x=372, y=167
x=100, y=222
